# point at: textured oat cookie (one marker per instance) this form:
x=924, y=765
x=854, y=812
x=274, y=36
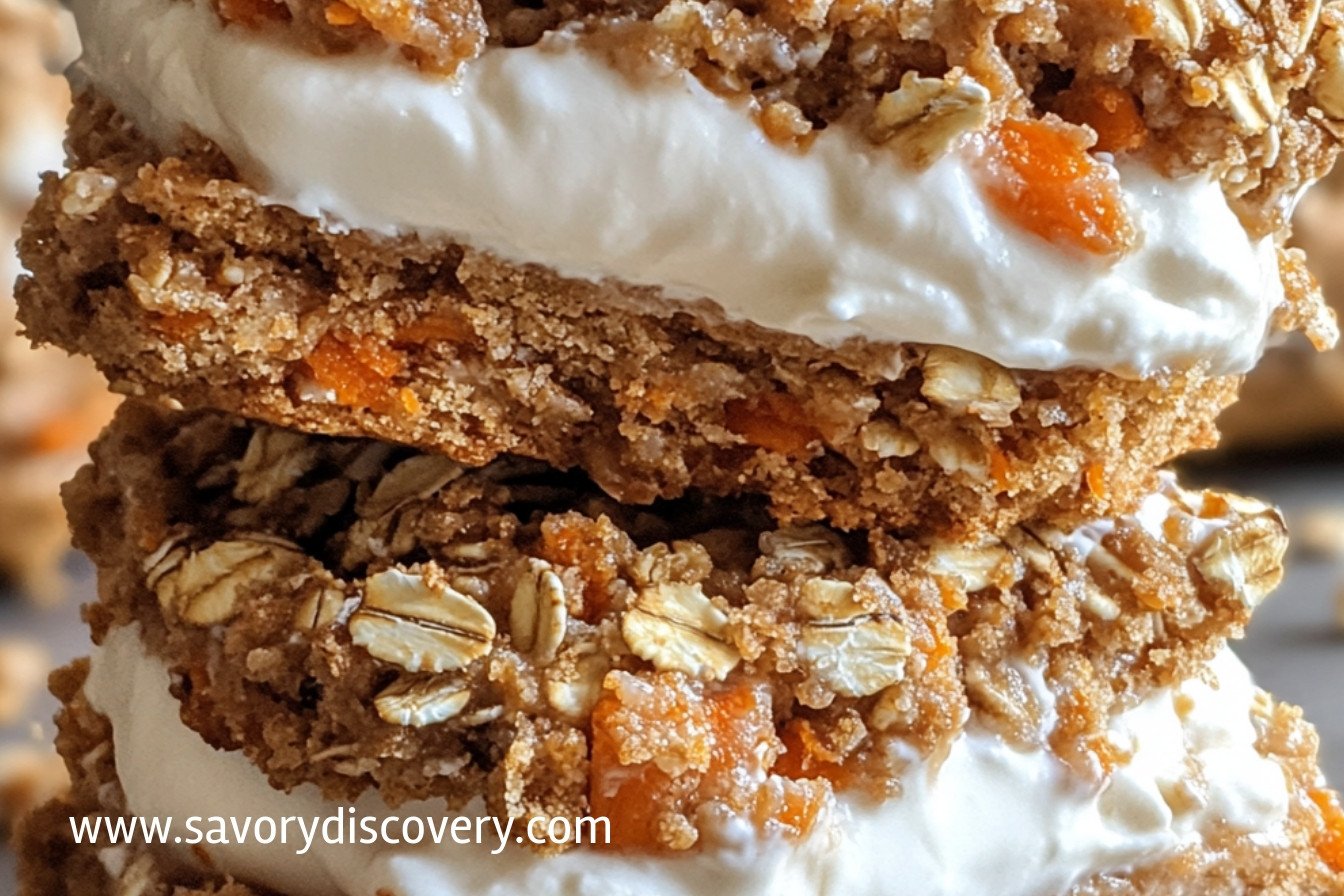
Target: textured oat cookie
x=50, y=405
x=1306, y=860
x=345, y=611
x=171, y=275
x=1252, y=91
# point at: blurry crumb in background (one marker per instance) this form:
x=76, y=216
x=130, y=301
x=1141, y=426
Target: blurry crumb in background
x=30, y=772
x=51, y=406
x=1318, y=534
x=30, y=776
x=1296, y=395
x=24, y=666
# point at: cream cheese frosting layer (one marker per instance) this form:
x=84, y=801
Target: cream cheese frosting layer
x=546, y=154
x=989, y=819
x=1204, y=523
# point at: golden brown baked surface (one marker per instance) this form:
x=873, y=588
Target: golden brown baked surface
x=171, y=275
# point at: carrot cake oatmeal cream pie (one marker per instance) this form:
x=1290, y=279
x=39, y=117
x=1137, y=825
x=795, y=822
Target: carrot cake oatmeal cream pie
x=50, y=405
x=944, y=266
x=294, y=625
x=738, y=424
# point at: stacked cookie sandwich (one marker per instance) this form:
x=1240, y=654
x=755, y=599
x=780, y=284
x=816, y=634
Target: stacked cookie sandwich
x=738, y=424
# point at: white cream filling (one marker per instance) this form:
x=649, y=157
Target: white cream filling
x=548, y=155
x=1152, y=516
x=990, y=819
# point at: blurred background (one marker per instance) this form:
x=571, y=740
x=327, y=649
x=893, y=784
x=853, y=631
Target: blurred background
x=1283, y=442
x=50, y=407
